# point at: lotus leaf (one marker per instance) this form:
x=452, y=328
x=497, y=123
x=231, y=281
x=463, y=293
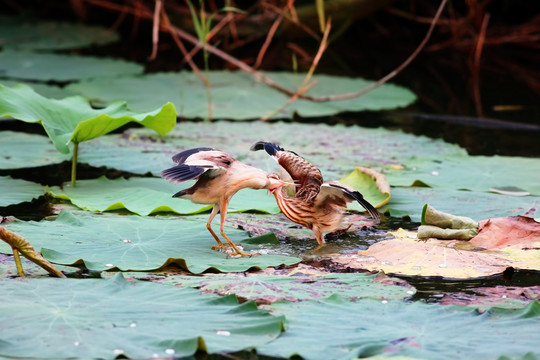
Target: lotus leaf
x=350, y=146
x=43, y=89
x=476, y=205
x=21, y=150
x=296, y=286
x=406, y=255
x=371, y=184
x=73, y=120
x=146, y=196
x=26, y=33
x=232, y=91
x=94, y=318
x=474, y=173
x=338, y=329
x=135, y=243
x=19, y=191
x=62, y=68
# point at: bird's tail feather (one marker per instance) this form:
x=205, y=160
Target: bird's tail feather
x=366, y=205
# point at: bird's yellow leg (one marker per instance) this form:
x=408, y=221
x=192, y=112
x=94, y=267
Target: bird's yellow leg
x=223, y=214
x=319, y=236
x=209, y=227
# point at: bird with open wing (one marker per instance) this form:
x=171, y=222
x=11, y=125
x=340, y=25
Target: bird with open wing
x=315, y=204
x=218, y=177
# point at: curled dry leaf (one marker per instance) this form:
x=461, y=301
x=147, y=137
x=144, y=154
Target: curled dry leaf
x=372, y=184
x=508, y=231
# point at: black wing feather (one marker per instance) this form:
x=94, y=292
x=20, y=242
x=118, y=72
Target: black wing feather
x=181, y=157
x=356, y=195
x=183, y=172
x=270, y=148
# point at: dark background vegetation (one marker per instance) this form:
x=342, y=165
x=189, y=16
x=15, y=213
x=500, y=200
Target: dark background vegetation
x=463, y=76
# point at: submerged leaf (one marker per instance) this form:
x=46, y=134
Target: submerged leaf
x=136, y=243
x=105, y=319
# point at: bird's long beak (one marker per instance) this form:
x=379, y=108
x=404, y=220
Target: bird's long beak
x=276, y=184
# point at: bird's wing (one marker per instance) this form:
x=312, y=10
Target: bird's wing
x=341, y=194
x=181, y=157
x=193, y=163
x=306, y=175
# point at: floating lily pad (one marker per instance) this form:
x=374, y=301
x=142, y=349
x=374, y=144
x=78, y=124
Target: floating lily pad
x=476, y=205
x=406, y=255
x=145, y=196
x=27, y=33
x=62, y=68
x=296, y=286
x=136, y=243
x=43, y=89
x=19, y=191
x=474, y=173
x=21, y=150
x=73, y=119
x=105, y=319
x=231, y=91
x=350, y=146
x=338, y=329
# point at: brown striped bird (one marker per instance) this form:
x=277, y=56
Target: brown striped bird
x=219, y=176
x=317, y=205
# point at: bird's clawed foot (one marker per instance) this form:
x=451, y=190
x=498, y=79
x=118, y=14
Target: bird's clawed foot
x=340, y=231
x=223, y=247
x=232, y=250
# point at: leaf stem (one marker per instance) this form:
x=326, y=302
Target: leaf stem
x=74, y=164
x=20, y=244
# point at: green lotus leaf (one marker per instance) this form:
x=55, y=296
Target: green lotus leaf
x=395, y=328
x=19, y=191
x=136, y=243
x=140, y=150
x=371, y=184
x=476, y=205
x=95, y=318
x=296, y=286
x=43, y=89
x=32, y=34
x=145, y=196
x=474, y=173
x=22, y=150
x=231, y=91
x=73, y=120
x=62, y=68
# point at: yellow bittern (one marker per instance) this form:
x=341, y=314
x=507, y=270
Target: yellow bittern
x=219, y=176
x=317, y=205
